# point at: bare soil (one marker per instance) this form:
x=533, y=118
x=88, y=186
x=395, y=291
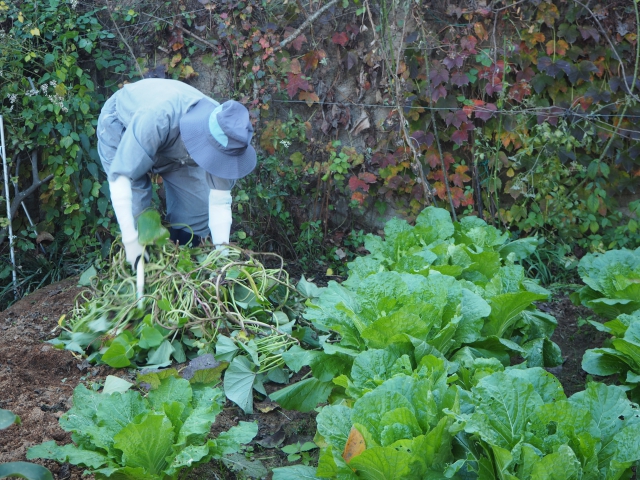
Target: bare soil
x=37, y=382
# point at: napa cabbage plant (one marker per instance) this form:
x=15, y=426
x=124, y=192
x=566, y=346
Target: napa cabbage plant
x=612, y=282
x=161, y=435
x=513, y=424
x=452, y=290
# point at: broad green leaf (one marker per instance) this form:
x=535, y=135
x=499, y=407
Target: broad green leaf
x=370, y=409
x=326, y=367
x=334, y=424
x=226, y=348
x=303, y=396
x=544, y=383
x=120, y=352
x=125, y=473
x=155, y=378
x=230, y=441
x=521, y=248
x=170, y=390
x=372, y=367
x=382, y=463
x=150, y=229
x=160, y=356
x=564, y=423
x=294, y=472
x=384, y=330
x=628, y=446
x=504, y=405
x=27, y=470
x=505, y=309
x=146, y=444
x=7, y=419
x=114, y=384
x=561, y=465
x=297, y=357
x=188, y=456
x=604, y=361
x=197, y=425
x=150, y=337
x=67, y=454
x=238, y=383
x=398, y=424
x=117, y=411
x=439, y=221
x=612, y=412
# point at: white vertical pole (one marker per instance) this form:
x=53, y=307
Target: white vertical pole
x=3, y=151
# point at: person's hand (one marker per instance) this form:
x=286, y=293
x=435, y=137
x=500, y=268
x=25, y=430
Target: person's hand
x=133, y=251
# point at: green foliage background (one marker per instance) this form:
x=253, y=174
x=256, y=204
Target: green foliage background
x=520, y=113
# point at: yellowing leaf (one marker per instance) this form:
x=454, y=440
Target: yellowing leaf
x=510, y=173
x=20, y=17
x=175, y=60
x=309, y=97
x=35, y=32
x=188, y=72
x=355, y=445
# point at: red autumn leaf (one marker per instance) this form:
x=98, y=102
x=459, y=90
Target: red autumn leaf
x=459, y=79
x=452, y=61
x=520, y=90
x=368, y=177
x=432, y=158
x=558, y=47
x=358, y=197
x=296, y=83
x=462, y=135
x=457, y=194
x=485, y=112
x=525, y=75
x=297, y=43
x=309, y=97
x=448, y=159
x=340, y=38
x=294, y=67
x=438, y=75
x=355, y=183
x=459, y=137
x=441, y=190
x=312, y=58
x=455, y=118
x=395, y=181
x=493, y=86
x=438, y=92
x=468, y=110
x=468, y=43
x=460, y=176
x=423, y=139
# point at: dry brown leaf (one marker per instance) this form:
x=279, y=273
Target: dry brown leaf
x=361, y=124
x=44, y=237
x=355, y=445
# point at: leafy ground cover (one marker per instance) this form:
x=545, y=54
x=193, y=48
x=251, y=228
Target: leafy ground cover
x=37, y=381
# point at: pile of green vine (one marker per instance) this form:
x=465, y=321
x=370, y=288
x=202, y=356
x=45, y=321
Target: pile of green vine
x=197, y=301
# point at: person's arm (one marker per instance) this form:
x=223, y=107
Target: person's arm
x=121, y=199
x=220, y=216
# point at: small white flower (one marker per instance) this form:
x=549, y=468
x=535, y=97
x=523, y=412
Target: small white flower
x=74, y=4
x=44, y=88
x=53, y=83
x=12, y=97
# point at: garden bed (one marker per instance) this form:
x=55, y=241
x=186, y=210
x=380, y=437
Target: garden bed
x=37, y=382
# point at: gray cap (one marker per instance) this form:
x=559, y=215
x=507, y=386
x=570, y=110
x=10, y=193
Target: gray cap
x=218, y=138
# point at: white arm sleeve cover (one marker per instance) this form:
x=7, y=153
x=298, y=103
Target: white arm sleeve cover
x=220, y=216
x=121, y=198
